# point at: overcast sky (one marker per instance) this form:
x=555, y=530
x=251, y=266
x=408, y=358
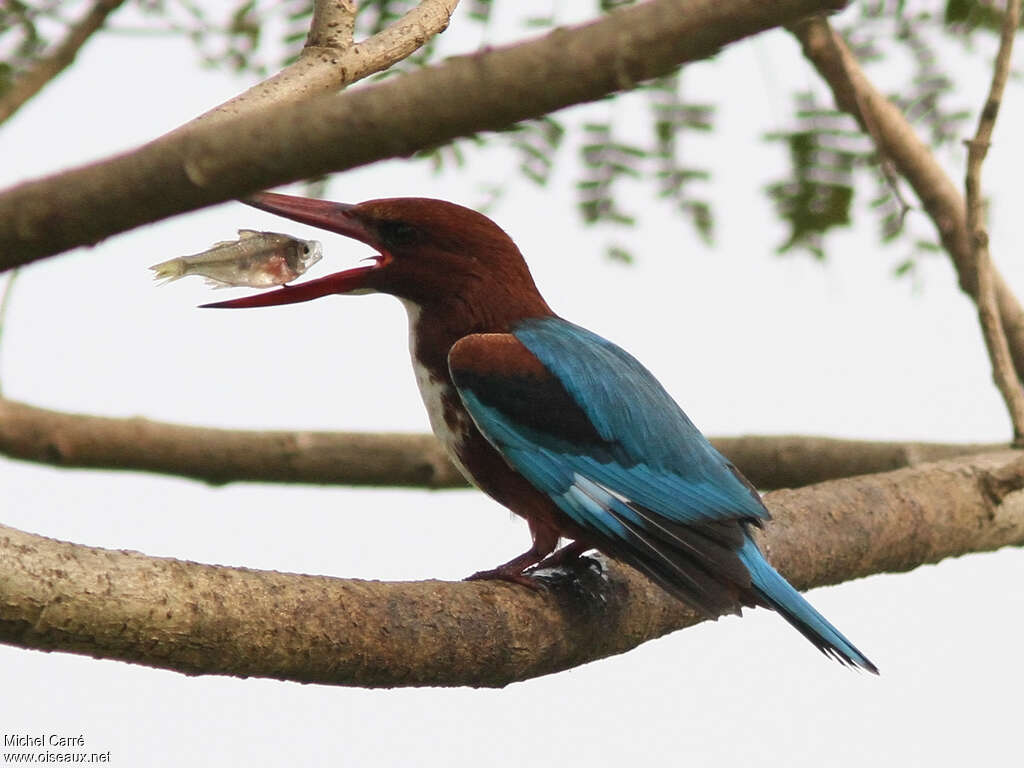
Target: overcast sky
x=747, y=342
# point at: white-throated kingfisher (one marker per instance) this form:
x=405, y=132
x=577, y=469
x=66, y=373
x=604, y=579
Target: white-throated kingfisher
x=556, y=423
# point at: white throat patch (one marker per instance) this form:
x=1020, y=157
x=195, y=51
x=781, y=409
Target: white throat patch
x=450, y=429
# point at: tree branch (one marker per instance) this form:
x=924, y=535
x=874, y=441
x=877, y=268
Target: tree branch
x=201, y=619
x=897, y=140
x=1005, y=377
x=45, y=69
x=330, y=60
x=489, y=90
x=334, y=22
x=793, y=461
x=220, y=456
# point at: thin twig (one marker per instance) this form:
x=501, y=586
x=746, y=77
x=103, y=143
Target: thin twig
x=5, y=300
x=1003, y=373
x=885, y=163
x=331, y=60
x=44, y=70
x=333, y=24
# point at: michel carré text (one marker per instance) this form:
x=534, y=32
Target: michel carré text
x=42, y=740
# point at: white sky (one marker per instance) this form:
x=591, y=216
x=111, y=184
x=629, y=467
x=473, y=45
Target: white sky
x=747, y=342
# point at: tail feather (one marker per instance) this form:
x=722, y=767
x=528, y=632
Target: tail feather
x=780, y=595
x=168, y=271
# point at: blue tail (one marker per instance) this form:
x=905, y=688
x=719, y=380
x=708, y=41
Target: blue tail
x=781, y=596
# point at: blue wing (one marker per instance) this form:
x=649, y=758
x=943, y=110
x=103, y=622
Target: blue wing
x=665, y=462
x=589, y=426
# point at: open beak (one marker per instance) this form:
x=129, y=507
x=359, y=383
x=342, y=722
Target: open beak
x=342, y=218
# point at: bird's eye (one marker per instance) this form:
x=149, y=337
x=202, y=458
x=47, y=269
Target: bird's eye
x=398, y=233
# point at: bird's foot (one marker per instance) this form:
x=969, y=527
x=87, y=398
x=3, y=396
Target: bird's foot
x=512, y=571
x=565, y=557
x=521, y=570
x=501, y=574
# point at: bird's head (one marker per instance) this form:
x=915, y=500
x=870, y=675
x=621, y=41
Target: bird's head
x=431, y=253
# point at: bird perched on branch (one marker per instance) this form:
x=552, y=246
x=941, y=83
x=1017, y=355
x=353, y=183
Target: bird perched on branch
x=556, y=423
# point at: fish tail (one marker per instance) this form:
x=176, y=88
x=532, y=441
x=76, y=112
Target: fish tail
x=780, y=595
x=169, y=270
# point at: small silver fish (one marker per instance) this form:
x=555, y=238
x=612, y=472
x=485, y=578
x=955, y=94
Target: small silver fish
x=256, y=260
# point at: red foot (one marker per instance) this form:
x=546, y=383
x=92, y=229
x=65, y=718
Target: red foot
x=503, y=575
x=513, y=569
x=567, y=555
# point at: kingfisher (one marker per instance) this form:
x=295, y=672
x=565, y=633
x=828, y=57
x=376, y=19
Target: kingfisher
x=556, y=423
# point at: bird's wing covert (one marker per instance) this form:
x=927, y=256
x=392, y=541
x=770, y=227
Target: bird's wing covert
x=581, y=418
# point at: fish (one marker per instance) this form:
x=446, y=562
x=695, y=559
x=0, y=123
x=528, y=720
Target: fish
x=255, y=260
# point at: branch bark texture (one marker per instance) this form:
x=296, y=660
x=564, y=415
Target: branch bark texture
x=201, y=619
x=486, y=91
x=219, y=456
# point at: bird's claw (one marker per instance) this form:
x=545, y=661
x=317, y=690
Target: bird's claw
x=520, y=570
x=566, y=557
x=502, y=574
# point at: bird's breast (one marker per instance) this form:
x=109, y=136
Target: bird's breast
x=449, y=420
x=477, y=460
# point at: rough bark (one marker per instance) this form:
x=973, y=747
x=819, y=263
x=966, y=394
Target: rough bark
x=486, y=91
x=201, y=619
x=220, y=456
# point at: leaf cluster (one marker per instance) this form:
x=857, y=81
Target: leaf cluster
x=606, y=160
x=827, y=152
x=230, y=35
x=824, y=147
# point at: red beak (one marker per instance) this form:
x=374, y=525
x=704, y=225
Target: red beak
x=334, y=217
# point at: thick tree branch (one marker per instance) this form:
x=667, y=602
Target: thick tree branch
x=792, y=461
x=201, y=619
x=330, y=60
x=898, y=141
x=29, y=83
x=1003, y=373
x=486, y=91
x=220, y=456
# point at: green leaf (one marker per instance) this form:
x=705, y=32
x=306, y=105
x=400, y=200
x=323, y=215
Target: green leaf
x=480, y=10
x=618, y=253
